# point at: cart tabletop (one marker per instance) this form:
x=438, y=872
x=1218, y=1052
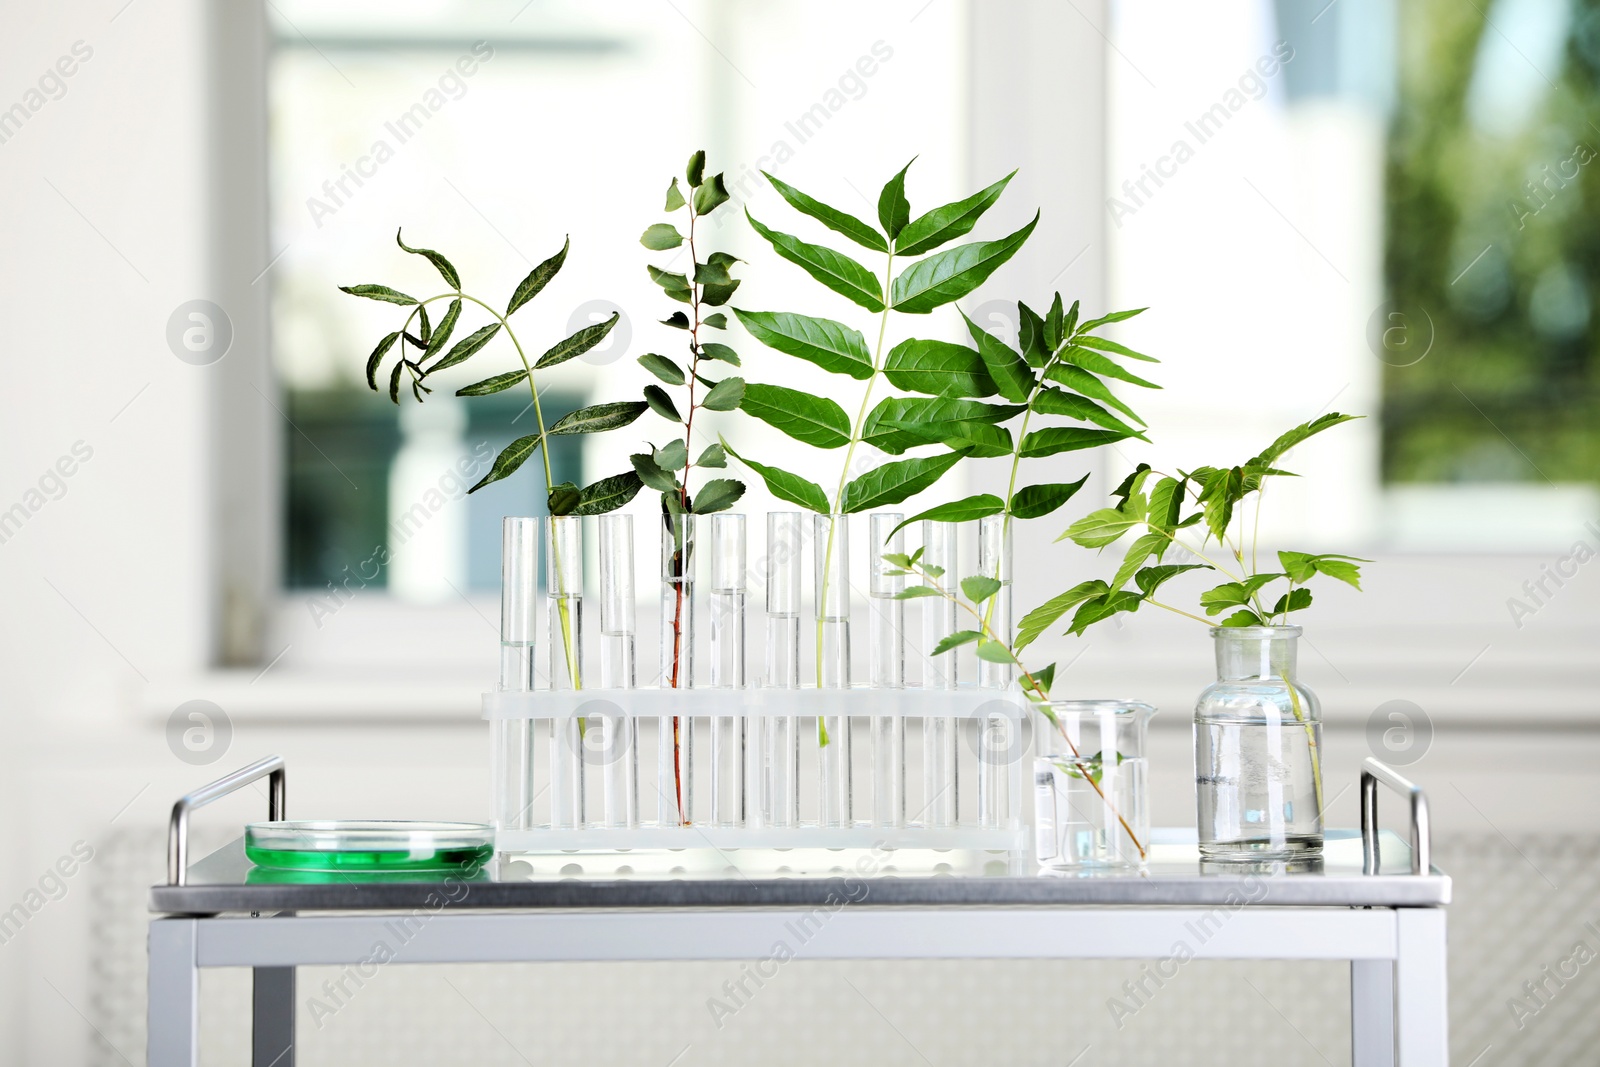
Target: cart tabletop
x=226, y=881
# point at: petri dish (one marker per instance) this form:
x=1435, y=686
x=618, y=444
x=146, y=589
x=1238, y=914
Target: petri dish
x=368, y=845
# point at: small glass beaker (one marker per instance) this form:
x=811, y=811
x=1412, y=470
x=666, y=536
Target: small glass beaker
x=1090, y=783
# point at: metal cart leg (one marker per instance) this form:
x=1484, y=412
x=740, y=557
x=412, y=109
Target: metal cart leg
x=1372, y=1013
x=1421, y=1012
x=272, y=1031
x=173, y=1037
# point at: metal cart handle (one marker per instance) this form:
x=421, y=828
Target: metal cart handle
x=178, y=828
x=1373, y=772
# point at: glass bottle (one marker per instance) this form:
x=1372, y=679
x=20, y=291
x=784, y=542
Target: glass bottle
x=888, y=659
x=1258, y=750
x=1091, y=783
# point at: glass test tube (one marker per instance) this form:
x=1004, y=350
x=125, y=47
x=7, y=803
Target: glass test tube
x=513, y=738
x=888, y=657
x=939, y=672
x=675, y=749
x=727, y=664
x=994, y=561
x=618, y=669
x=564, y=593
x=831, y=547
x=785, y=545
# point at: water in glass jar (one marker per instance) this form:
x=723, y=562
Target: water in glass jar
x=1256, y=785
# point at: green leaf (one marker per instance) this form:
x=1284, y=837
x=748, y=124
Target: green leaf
x=831, y=345
x=1104, y=366
x=578, y=343
x=537, y=279
x=947, y=223
x=675, y=198
x=714, y=456
x=1055, y=324
x=1243, y=618
x=786, y=486
x=719, y=494
x=1081, y=381
x=1054, y=439
x=467, y=347
x=980, y=587
x=1115, y=316
x=495, y=384
x=993, y=651
x=661, y=236
x=510, y=458
x=442, y=265
x=677, y=320
x=964, y=510
x=1166, y=504
x=1071, y=321
x=938, y=368
x=1037, y=501
x=1144, y=546
x=441, y=334
x=1103, y=607
x=715, y=271
x=672, y=455
x=980, y=439
x=661, y=403
x=1053, y=401
x=836, y=271
x=895, y=481
x=1008, y=369
x=1152, y=578
x=1030, y=336
x=838, y=221
x=597, y=418
x=952, y=274
x=379, y=292
x=1297, y=599
x=1045, y=615
x=815, y=420
x=1299, y=566
x=608, y=494
x=662, y=368
x=1338, y=567
x=563, y=499
x=914, y=591
x=726, y=395
x=1113, y=347
x=717, y=295
x=717, y=321
x=1234, y=594
x=1099, y=528
x=674, y=285
x=710, y=195
x=1132, y=484
x=955, y=640
x=720, y=351
x=394, y=381
x=376, y=359
x=1308, y=429
x=881, y=428
x=653, y=474
x=424, y=331
x=893, y=210
x=696, y=169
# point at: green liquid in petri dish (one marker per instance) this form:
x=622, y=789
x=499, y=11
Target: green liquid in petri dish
x=371, y=860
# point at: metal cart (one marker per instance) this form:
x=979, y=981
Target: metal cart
x=1372, y=899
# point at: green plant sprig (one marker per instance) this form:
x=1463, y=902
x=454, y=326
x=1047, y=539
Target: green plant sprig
x=977, y=591
x=429, y=341
x=949, y=376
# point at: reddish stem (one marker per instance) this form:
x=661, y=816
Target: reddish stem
x=683, y=502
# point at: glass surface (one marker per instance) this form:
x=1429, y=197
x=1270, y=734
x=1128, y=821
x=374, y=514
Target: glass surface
x=1258, y=749
x=1091, y=802
x=368, y=845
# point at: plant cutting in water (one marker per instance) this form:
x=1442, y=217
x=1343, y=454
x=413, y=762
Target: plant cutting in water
x=1061, y=372
x=975, y=592
x=1216, y=496
x=424, y=353
x=668, y=468
x=950, y=377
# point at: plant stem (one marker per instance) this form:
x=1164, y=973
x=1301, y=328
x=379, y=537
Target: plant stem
x=683, y=503
x=844, y=477
x=1179, y=611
